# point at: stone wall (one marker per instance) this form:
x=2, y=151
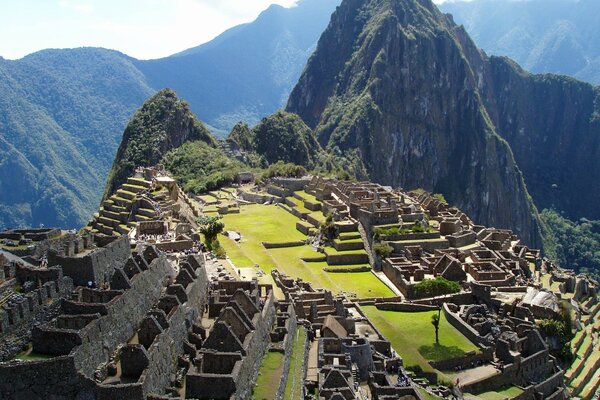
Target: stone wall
x=279, y=191
x=464, y=328
x=256, y=350
x=168, y=345
x=96, y=266
x=288, y=346
x=351, y=258
x=404, y=307
x=124, y=314
x=259, y=198
x=293, y=184
x=21, y=381
x=36, y=307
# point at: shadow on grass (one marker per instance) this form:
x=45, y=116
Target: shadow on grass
x=439, y=352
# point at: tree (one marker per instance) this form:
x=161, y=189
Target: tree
x=329, y=230
x=435, y=321
x=210, y=227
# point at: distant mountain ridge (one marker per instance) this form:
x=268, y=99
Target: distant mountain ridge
x=63, y=112
x=558, y=36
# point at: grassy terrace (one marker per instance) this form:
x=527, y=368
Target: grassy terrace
x=500, y=394
x=307, y=196
x=293, y=385
x=299, y=205
x=269, y=375
x=413, y=336
x=261, y=223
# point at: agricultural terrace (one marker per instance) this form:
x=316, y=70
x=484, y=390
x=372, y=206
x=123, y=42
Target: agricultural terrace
x=413, y=337
x=269, y=223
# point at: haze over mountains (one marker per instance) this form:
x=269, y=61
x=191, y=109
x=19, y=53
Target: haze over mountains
x=62, y=112
x=558, y=36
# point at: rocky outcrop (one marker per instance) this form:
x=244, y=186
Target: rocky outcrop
x=399, y=81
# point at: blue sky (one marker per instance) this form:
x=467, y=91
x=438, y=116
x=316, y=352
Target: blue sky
x=140, y=28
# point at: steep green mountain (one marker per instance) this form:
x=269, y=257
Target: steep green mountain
x=285, y=137
x=163, y=123
x=559, y=36
x=61, y=116
x=248, y=71
x=62, y=112
x=399, y=82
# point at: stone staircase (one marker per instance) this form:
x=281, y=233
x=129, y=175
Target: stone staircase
x=120, y=212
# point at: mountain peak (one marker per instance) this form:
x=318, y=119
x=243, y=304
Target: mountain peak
x=163, y=123
x=397, y=81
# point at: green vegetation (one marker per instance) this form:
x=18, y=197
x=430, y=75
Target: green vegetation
x=560, y=328
x=383, y=250
x=435, y=287
x=269, y=376
x=440, y=197
x=284, y=169
x=210, y=227
x=242, y=136
x=574, y=245
x=396, y=230
x=412, y=337
x=329, y=230
x=63, y=113
x=294, y=381
x=199, y=168
x=285, y=137
x=499, y=394
x=269, y=223
x=163, y=123
x=435, y=321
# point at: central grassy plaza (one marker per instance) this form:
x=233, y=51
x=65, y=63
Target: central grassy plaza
x=269, y=223
x=413, y=337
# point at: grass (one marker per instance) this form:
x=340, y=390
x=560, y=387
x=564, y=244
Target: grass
x=426, y=395
x=264, y=223
x=307, y=196
x=294, y=382
x=500, y=394
x=260, y=223
x=269, y=376
x=413, y=336
x=333, y=251
x=318, y=216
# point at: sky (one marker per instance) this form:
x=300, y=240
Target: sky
x=144, y=29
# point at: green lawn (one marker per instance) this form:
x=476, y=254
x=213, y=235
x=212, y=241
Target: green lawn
x=500, y=394
x=264, y=223
x=293, y=386
x=413, y=336
x=269, y=376
x=260, y=223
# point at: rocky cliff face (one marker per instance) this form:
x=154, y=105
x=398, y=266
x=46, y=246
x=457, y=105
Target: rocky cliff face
x=552, y=123
x=163, y=123
x=400, y=82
